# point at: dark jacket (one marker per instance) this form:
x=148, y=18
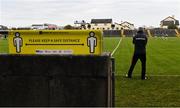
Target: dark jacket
x=140, y=41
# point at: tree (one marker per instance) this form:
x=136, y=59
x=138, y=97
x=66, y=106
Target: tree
x=89, y=26
x=68, y=27
x=83, y=24
x=172, y=26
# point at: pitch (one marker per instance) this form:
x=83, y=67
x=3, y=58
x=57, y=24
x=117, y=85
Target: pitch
x=163, y=70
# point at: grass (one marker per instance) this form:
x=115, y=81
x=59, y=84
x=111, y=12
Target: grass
x=154, y=92
x=110, y=43
x=162, y=89
x=4, y=46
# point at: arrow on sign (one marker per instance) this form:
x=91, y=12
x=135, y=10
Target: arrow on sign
x=52, y=44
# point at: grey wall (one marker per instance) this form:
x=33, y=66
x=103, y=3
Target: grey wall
x=112, y=33
x=54, y=80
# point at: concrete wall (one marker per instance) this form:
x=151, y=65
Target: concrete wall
x=164, y=32
x=55, y=80
x=112, y=33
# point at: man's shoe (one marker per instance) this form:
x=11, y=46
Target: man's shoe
x=127, y=76
x=145, y=78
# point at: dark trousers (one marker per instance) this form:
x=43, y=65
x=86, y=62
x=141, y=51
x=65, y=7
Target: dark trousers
x=135, y=58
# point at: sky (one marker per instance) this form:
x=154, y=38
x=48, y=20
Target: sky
x=20, y=13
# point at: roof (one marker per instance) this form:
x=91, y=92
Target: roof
x=101, y=21
x=126, y=22
x=168, y=17
x=37, y=24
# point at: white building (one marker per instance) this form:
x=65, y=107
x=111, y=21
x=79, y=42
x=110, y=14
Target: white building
x=103, y=24
x=127, y=25
x=100, y=24
x=124, y=26
x=170, y=20
x=44, y=27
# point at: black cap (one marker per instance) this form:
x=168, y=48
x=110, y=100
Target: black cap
x=140, y=30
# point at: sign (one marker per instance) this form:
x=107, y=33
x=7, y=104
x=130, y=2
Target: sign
x=63, y=42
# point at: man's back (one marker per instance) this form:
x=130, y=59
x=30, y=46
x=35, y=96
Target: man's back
x=140, y=41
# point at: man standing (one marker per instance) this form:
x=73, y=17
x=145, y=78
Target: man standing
x=139, y=41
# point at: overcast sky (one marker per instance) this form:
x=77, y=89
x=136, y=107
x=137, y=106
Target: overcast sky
x=62, y=12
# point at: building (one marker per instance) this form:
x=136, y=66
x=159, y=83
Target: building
x=118, y=26
x=23, y=28
x=44, y=27
x=51, y=26
x=3, y=27
x=38, y=27
x=80, y=24
x=101, y=24
x=170, y=20
x=127, y=25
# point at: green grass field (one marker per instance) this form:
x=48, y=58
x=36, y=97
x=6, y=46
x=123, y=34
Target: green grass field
x=163, y=70
x=3, y=46
x=162, y=89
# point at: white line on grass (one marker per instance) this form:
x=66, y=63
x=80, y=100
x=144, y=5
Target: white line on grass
x=152, y=75
x=116, y=47
x=165, y=75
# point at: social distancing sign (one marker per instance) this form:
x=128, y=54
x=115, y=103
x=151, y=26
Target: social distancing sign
x=71, y=42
